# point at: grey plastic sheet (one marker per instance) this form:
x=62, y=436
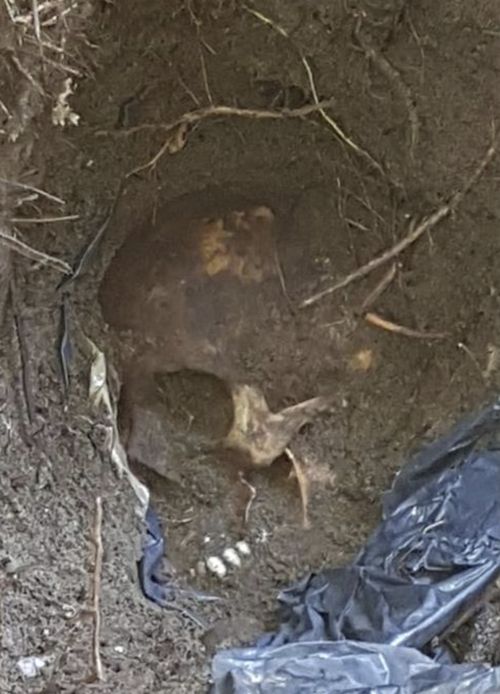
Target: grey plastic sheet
x=361, y=627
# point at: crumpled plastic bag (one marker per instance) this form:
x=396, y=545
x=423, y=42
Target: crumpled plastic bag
x=341, y=667
x=100, y=396
x=434, y=554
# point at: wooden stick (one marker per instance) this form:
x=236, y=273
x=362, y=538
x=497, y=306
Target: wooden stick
x=379, y=289
x=97, y=539
x=43, y=220
x=39, y=191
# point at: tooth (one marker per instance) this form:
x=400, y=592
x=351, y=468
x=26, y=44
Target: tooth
x=243, y=548
x=232, y=557
x=216, y=566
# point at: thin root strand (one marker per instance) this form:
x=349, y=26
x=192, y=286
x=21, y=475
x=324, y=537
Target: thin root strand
x=376, y=320
x=426, y=225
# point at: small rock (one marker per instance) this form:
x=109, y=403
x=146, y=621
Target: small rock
x=31, y=666
x=68, y=611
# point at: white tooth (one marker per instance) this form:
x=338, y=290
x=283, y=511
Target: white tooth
x=232, y=558
x=216, y=566
x=243, y=548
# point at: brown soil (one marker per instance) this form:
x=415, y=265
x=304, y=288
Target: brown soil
x=149, y=67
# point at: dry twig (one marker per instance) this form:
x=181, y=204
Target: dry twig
x=384, y=324
x=43, y=220
x=22, y=248
x=466, y=350
x=339, y=132
x=36, y=21
x=24, y=72
x=188, y=91
x=426, y=225
x=282, y=281
x=96, y=591
x=205, y=78
x=5, y=110
x=9, y=11
x=377, y=292
x=25, y=186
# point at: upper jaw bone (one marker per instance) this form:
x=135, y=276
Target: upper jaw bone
x=264, y=435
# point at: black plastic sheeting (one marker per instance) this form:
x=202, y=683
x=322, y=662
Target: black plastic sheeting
x=153, y=583
x=360, y=628
x=156, y=577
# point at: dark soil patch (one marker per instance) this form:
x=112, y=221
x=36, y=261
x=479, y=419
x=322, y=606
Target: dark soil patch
x=149, y=69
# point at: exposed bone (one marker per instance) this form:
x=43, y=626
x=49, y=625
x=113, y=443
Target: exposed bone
x=194, y=293
x=264, y=435
x=261, y=434
x=301, y=473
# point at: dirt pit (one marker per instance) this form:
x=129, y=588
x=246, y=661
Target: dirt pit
x=411, y=136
